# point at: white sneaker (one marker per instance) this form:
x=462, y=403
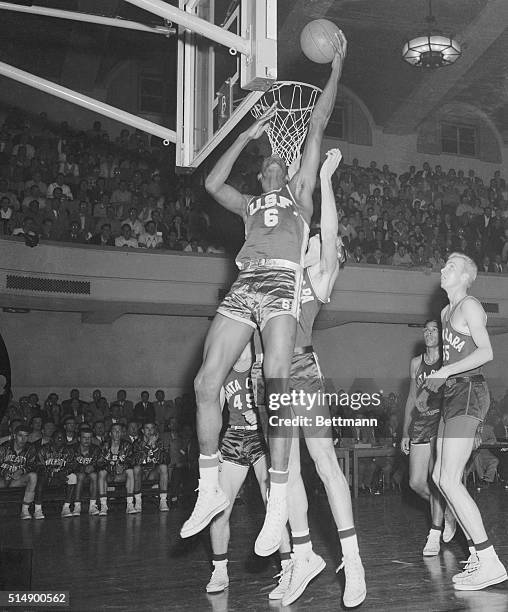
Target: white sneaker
x=219, y=580
x=486, y=572
x=305, y=568
x=433, y=544
x=210, y=502
x=270, y=536
x=25, y=514
x=163, y=506
x=66, y=512
x=450, y=525
x=103, y=511
x=39, y=514
x=284, y=577
x=93, y=510
x=469, y=565
x=355, y=590
x=130, y=509
x=77, y=509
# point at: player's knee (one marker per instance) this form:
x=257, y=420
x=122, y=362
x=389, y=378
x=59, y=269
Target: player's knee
x=32, y=479
x=206, y=386
x=417, y=484
x=326, y=466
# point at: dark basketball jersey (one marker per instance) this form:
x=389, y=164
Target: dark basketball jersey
x=83, y=459
x=457, y=345
x=119, y=460
x=12, y=461
x=274, y=228
x=53, y=460
x=309, y=308
x=239, y=396
x=149, y=454
x=424, y=370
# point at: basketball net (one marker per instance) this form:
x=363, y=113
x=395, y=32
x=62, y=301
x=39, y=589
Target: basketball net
x=287, y=129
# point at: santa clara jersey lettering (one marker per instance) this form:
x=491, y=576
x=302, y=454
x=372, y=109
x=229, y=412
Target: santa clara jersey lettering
x=424, y=370
x=274, y=228
x=239, y=396
x=457, y=345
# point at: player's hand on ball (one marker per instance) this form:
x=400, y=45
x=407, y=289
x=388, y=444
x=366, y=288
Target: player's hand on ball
x=331, y=163
x=404, y=445
x=251, y=417
x=340, y=47
x=259, y=126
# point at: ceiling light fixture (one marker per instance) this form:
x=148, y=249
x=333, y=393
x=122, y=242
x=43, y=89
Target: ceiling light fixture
x=433, y=49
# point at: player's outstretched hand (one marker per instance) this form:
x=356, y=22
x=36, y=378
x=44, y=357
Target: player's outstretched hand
x=332, y=160
x=404, y=445
x=340, y=47
x=259, y=126
x=251, y=417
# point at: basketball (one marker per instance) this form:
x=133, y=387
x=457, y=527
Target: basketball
x=318, y=40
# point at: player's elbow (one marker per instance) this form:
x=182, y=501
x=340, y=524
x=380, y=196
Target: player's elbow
x=211, y=185
x=489, y=354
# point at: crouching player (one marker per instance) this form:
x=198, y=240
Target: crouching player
x=17, y=466
x=116, y=466
x=87, y=459
x=151, y=464
x=242, y=446
x=55, y=468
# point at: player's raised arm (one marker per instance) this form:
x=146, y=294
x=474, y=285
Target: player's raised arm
x=304, y=181
x=215, y=182
x=329, y=222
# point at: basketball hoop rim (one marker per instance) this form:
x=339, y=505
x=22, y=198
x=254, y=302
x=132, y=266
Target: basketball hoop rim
x=278, y=85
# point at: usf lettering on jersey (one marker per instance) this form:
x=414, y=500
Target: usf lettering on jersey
x=274, y=228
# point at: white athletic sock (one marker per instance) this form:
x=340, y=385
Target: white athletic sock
x=38, y=507
x=163, y=496
x=130, y=499
x=487, y=553
x=138, y=498
x=209, y=470
x=302, y=544
x=348, y=541
x=104, y=501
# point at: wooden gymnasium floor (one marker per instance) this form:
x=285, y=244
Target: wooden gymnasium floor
x=137, y=562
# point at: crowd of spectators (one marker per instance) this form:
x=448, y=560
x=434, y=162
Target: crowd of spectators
x=418, y=218
x=83, y=187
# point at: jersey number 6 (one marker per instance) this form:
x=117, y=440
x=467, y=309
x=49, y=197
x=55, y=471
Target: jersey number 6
x=271, y=217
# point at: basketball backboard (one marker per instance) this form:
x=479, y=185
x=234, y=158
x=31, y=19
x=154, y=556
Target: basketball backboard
x=216, y=88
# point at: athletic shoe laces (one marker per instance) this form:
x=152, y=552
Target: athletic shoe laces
x=273, y=520
x=471, y=565
x=353, y=570
x=284, y=575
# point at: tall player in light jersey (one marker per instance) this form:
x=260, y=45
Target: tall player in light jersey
x=322, y=264
x=265, y=295
x=242, y=446
x=419, y=436
x=466, y=348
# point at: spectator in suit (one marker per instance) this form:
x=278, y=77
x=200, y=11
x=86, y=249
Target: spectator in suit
x=162, y=410
x=104, y=238
x=126, y=406
x=75, y=409
x=143, y=410
x=377, y=258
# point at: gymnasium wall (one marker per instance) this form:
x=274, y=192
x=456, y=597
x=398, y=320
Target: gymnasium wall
x=55, y=352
